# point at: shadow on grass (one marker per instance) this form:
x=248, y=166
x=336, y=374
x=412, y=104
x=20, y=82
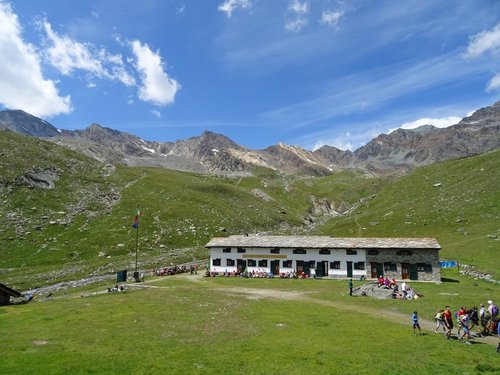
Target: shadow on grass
x=447, y=280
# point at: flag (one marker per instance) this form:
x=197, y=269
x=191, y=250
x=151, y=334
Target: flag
x=138, y=213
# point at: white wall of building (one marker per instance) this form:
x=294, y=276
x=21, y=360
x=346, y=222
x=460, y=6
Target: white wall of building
x=338, y=255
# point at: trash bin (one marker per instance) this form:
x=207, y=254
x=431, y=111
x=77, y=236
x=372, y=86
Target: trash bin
x=121, y=276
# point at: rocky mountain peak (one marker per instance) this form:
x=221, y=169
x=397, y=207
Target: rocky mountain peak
x=21, y=122
x=215, y=153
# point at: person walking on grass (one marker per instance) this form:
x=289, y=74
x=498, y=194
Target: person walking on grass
x=350, y=287
x=448, y=322
x=464, y=323
x=439, y=321
x=498, y=331
x=416, y=325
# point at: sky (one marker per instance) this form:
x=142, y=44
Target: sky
x=306, y=73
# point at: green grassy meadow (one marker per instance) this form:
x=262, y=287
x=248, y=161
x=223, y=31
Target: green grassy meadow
x=187, y=324
x=190, y=324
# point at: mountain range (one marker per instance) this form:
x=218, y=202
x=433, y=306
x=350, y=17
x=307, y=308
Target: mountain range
x=215, y=153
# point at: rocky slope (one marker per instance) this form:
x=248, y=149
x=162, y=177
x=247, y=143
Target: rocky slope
x=215, y=153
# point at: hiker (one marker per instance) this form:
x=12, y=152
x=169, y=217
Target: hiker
x=350, y=287
x=484, y=317
x=448, y=321
x=416, y=325
x=498, y=332
x=403, y=289
x=439, y=321
x=380, y=281
x=464, y=324
x=493, y=310
x=474, y=319
x=387, y=282
x=458, y=317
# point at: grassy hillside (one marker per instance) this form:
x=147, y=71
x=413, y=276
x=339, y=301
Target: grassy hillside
x=83, y=226
x=187, y=324
x=457, y=201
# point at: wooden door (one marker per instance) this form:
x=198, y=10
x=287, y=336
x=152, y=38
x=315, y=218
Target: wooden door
x=405, y=271
x=373, y=266
x=299, y=266
x=275, y=267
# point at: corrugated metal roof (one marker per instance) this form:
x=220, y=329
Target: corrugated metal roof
x=322, y=242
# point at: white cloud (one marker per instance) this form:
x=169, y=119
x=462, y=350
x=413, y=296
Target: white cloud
x=331, y=18
x=230, y=5
x=68, y=55
x=494, y=83
x=156, y=113
x=22, y=85
x=297, y=7
x=298, y=19
x=296, y=24
x=443, y=122
x=485, y=41
x=156, y=86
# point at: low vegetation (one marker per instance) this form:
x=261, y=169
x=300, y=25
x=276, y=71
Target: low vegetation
x=185, y=323
x=189, y=324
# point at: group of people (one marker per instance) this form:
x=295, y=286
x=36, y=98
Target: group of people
x=405, y=292
x=259, y=274
x=484, y=320
x=172, y=270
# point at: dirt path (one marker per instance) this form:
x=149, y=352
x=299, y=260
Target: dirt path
x=427, y=326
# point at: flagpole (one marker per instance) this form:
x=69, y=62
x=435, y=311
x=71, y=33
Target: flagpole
x=136, y=244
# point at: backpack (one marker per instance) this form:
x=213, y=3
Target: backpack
x=494, y=310
x=473, y=315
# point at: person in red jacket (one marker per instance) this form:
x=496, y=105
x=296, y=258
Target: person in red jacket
x=448, y=321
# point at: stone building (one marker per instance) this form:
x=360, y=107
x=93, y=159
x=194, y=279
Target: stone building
x=6, y=293
x=325, y=256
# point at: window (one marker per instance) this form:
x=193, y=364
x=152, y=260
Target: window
x=335, y=265
x=241, y=250
x=275, y=251
x=359, y=266
x=251, y=262
x=226, y=250
x=216, y=262
x=424, y=267
x=325, y=252
x=373, y=252
x=287, y=263
x=404, y=252
x=390, y=266
x=263, y=263
x=420, y=267
x=229, y=262
x=312, y=264
x=299, y=251
x=351, y=252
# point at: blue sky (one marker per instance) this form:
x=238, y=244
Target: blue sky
x=305, y=73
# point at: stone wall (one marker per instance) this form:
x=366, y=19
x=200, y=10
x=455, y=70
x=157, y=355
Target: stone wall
x=410, y=256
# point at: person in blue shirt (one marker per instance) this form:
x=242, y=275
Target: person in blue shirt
x=498, y=331
x=416, y=325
